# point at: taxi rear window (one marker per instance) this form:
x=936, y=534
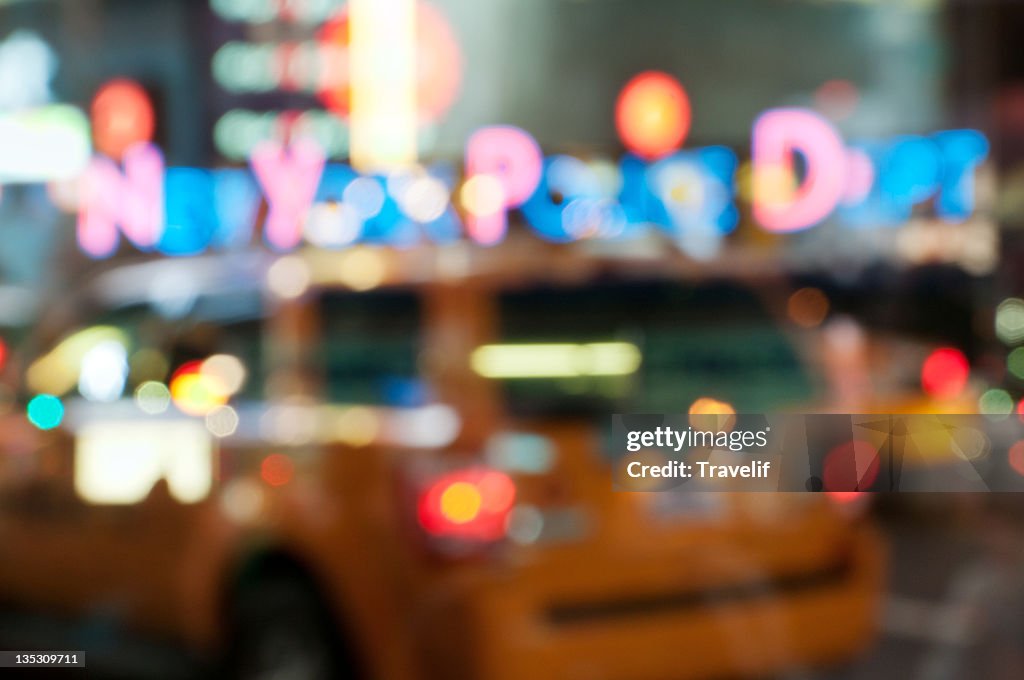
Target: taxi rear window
x=714, y=339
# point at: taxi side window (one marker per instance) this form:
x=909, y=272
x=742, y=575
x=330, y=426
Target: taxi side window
x=199, y=339
x=161, y=345
x=143, y=334
x=369, y=347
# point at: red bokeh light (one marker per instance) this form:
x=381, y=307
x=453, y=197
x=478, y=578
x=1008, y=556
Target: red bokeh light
x=3, y=353
x=652, y=114
x=187, y=368
x=852, y=466
x=122, y=115
x=844, y=497
x=944, y=373
x=277, y=469
x=486, y=522
x=1016, y=457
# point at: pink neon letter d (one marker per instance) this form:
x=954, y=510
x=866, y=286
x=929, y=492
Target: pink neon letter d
x=778, y=135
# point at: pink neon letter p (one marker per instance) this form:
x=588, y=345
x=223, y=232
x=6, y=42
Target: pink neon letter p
x=512, y=157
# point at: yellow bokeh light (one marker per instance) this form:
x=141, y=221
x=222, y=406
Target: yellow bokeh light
x=362, y=269
x=707, y=413
x=774, y=185
x=482, y=195
x=708, y=406
x=357, y=426
x=461, y=503
x=197, y=394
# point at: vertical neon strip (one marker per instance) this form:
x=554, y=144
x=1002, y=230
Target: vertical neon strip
x=382, y=48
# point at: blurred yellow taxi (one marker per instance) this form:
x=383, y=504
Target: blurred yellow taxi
x=309, y=465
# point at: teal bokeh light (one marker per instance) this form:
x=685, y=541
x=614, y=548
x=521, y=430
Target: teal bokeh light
x=45, y=411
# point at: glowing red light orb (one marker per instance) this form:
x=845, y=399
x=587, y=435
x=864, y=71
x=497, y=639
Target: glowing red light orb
x=194, y=392
x=3, y=354
x=438, y=64
x=652, y=114
x=1015, y=457
x=122, y=115
x=277, y=469
x=843, y=497
x=944, y=373
x=472, y=504
x=187, y=368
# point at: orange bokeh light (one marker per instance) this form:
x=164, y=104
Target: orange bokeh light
x=652, y=114
x=707, y=413
x=122, y=115
x=807, y=307
x=196, y=393
x=277, y=469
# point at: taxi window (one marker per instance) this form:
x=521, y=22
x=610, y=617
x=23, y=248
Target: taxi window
x=243, y=339
x=196, y=336
x=369, y=347
x=712, y=339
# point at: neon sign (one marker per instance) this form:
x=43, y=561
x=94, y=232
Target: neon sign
x=877, y=183
x=802, y=174
x=690, y=195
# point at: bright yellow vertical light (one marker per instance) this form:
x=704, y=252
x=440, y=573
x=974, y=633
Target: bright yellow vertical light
x=382, y=48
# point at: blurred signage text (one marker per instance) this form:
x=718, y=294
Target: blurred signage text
x=801, y=175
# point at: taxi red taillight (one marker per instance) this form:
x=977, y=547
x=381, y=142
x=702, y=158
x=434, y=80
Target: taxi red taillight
x=852, y=504
x=470, y=505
